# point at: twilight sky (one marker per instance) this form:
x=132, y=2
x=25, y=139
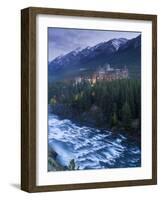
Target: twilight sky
x=64, y=40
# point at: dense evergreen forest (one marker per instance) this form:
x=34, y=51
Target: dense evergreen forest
x=107, y=104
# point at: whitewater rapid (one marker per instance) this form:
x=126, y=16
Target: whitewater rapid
x=91, y=148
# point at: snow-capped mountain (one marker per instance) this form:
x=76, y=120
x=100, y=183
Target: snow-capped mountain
x=118, y=52
x=118, y=42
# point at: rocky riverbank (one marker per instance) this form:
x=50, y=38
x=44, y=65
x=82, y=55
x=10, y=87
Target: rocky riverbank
x=93, y=118
x=54, y=165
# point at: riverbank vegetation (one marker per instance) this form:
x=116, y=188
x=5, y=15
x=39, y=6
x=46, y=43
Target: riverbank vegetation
x=107, y=104
x=54, y=165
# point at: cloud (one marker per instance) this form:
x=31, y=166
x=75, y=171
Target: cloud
x=64, y=40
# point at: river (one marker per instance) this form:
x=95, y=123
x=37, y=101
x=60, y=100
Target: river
x=91, y=148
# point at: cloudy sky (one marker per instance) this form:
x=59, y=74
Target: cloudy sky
x=64, y=40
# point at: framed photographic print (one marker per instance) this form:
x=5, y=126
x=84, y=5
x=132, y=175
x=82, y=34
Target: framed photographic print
x=89, y=99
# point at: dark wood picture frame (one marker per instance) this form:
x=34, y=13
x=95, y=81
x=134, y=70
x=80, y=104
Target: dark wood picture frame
x=28, y=98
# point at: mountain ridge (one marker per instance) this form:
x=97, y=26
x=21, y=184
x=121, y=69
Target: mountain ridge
x=117, y=52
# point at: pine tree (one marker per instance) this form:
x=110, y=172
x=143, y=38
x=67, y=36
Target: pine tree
x=114, y=120
x=126, y=116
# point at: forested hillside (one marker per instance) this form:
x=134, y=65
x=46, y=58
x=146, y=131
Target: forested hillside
x=107, y=104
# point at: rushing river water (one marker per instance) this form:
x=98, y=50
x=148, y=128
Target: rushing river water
x=91, y=148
